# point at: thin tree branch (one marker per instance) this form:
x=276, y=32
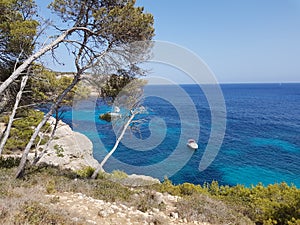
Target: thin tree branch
x=100, y=166
x=12, y=116
x=61, y=38
x=21, y=168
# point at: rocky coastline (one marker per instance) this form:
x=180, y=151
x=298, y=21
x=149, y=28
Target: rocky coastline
x=69, y=149
x=73, y=150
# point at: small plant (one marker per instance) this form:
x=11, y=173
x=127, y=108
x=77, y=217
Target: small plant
x=9, y=162
x=50, y=187
x=86, y=172
x=22, y=129
x=168, y=187
x=59, y=150
x=102, y=175
x=110, y=191
x=119, y=174
x=35, y=214
x=148, y=200
x=190, y=189
x=54, y=200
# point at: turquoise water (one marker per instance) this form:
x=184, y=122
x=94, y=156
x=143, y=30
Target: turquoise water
x=261, y=143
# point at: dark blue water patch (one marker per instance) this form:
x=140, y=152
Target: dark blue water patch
x=286, y=157
x=284, y=145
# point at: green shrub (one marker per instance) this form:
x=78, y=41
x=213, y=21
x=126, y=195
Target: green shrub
x=190, y=189
x=59, y=150
x=274, y=204
x=23, y=128
x=110, y=191
x=184, y=189
x=35, y=214
x=50, y=187
x=119, y=174
x=4, y=119
x=102, y=175
x=294, y=222
x=9, y=162
x=147, y=201
x=86, y=172
x=168, y=187
x=200, y=207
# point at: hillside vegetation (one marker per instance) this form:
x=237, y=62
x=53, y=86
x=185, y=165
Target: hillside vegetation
x=25, y=202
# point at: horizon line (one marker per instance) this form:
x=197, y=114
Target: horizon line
x=288, y=82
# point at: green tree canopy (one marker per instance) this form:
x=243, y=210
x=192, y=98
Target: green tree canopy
x=17, y=32
x=97, y=33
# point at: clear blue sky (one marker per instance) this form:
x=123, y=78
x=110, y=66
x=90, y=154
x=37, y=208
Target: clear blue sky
x=240, y=40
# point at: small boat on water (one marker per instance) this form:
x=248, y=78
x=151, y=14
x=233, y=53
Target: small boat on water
x=192, y=144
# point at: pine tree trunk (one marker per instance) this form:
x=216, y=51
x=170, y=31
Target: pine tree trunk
x=21, y=168
x=37, y=158
x=100, y=167
x=12, y=115
x=32, y=58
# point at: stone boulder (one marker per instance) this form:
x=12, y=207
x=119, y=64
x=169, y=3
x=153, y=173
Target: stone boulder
x=69, y=149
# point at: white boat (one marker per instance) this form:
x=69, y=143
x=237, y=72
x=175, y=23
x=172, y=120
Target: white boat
x=116, y=109
x=115, y=114
x=192, y=144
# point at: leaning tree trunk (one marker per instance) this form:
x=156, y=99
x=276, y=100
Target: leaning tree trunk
x=21, y=168
x=12, y=115
x=34, y=57
x=100, y=166
x=38, y=157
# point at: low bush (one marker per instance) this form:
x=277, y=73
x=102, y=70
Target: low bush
x=147, y=201
x=110, y=191
x=22, y=129
x=168, y=187
x=200, y=207
x=9, y=162
x=273, y=204
x=86, y=172
x=119, y=174
x=35, y=213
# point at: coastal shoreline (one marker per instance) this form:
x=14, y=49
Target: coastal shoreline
x=73, y=150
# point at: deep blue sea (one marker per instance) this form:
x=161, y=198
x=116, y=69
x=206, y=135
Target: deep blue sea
x=261, y=142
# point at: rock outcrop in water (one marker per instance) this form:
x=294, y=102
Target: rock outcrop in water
x=68, y=149
x=73, y=150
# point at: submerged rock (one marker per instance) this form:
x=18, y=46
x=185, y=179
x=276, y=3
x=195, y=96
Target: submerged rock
x=109, y=116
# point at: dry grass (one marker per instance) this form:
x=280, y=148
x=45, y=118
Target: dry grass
x=23, y=201
x=199, y=207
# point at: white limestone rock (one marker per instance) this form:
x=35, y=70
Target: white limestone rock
x=69, y=149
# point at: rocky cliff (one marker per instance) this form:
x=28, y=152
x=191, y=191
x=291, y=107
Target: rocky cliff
x=69, y=149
